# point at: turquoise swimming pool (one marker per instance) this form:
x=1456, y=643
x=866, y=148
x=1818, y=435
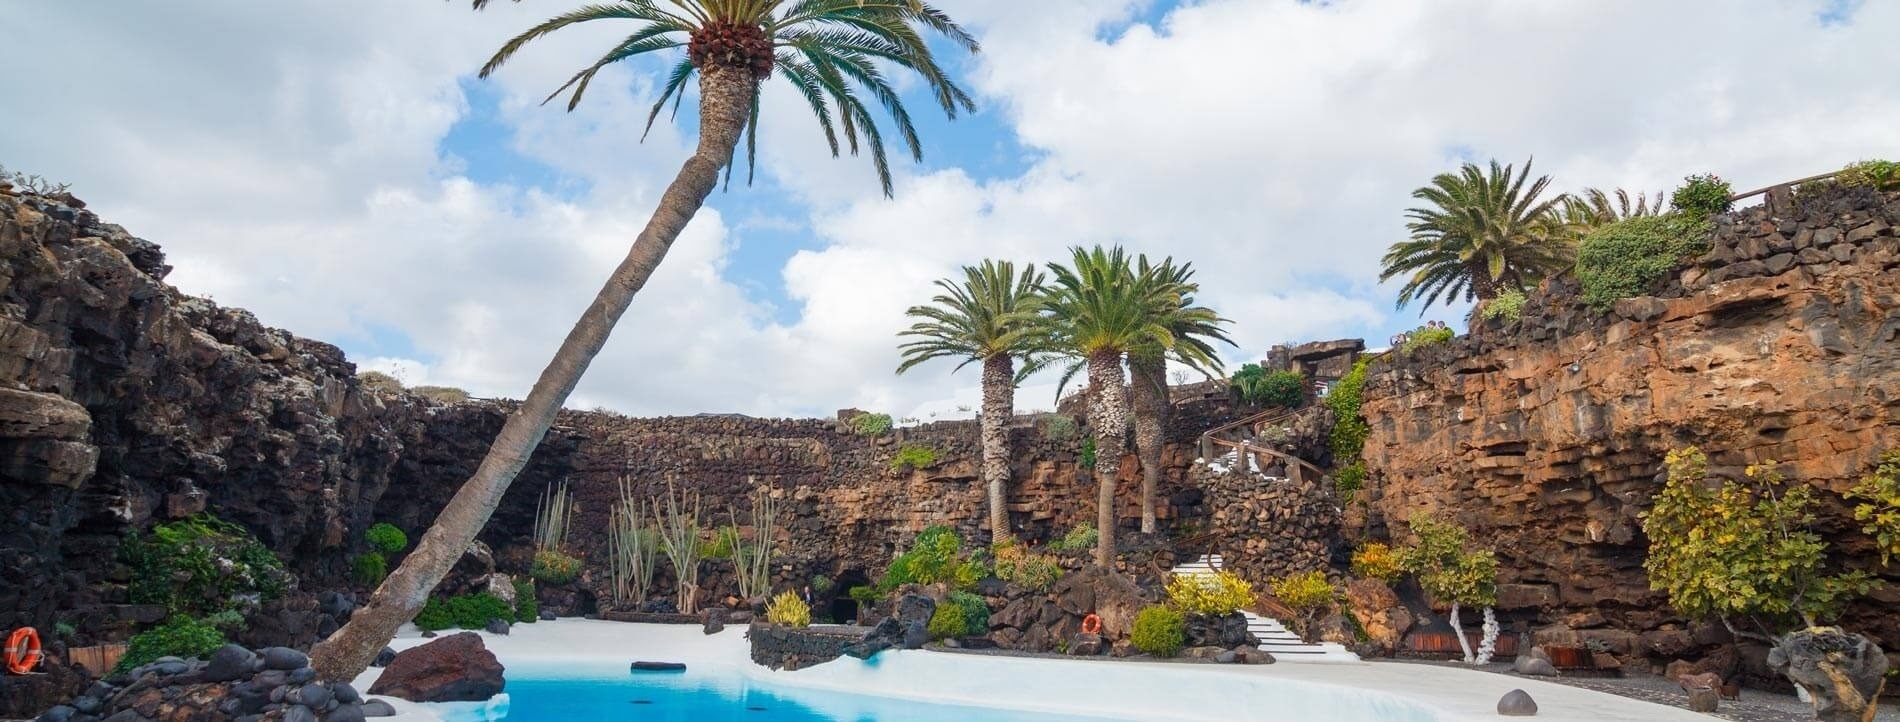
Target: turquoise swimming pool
x=716, y=695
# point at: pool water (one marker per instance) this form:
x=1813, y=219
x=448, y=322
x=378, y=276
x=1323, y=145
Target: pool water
x=722, y=696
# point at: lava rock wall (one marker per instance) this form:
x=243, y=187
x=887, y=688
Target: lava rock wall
x=1546, y=437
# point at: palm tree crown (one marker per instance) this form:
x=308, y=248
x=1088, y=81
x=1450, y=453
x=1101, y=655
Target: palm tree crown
x=1193, y=327
x=1100, y=302
x=828, y=50
x=1482, y=233
x=991, y=312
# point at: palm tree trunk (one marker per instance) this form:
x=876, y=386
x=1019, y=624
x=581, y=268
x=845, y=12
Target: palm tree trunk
x=725, y=102
x=1148, y=387
x=999, y=398
x=1109, y=418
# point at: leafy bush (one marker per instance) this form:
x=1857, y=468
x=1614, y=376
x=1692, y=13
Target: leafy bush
x=386, y=538
x=1349, y=479
x=1058, y=427
x=1087, y=458
x=865, y=595
x=1222, y=592
x=1880, y=174
x=1881, y=508
x=1349, y=429
x=441, y=394
x=1256, y=385
x=937, y=556
x=947, y=622
x=820, y=583
x=435, y=615
x=552, y=567
x=1079, y=539
x=1159, y=630
x=1625, y=258
x=527, y=605
x=1702, y=196
x=1446, y=569
x=871, y=424
x=475, y=611
x=1507, y=307
x=976, y=613
x=915, y=456
x=181, y=636
x=1743, y=548
x=1017, y=565
x=1424, y=336
x=1305, y=591
x=724, y=540
x=369, y=568
x=789, y=610
x=1374, y=560
x=379, y=381
x=201, y=565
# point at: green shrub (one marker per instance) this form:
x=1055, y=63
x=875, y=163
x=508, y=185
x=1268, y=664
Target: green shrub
x=1079, y=539
x=1424, y=336
x=865, y=596
x=65, y=631
x=181, y=636
x=1017, y=565
x=937, y=556
x=369, y=568
x=1349, y=428
x=1058, y=427
x=820, y=583
x=1879, y=507
x=947, y=622
x=868, y=424
x=1882, y=175
x=1702, y=196
x=1159, y=630
x=976, y=613
x=441, y=394
x=201, y=565
x=552, y=567
x=1624, y=259
x=386, y=538
x=1349, y=479
x=724, y=540
x=527, y=605
x=475, y=611
x=1255, y=385
x=915, y=456
x=1087, y=458
x=1507, y=307
x=435, y=615
x=788, y=609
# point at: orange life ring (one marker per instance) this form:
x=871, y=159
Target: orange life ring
x=23, y=650
x=1091, y=624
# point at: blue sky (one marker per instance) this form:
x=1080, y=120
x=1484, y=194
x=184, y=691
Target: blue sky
x=354, y=182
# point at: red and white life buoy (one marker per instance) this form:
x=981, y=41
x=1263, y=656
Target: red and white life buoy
x=23, y=651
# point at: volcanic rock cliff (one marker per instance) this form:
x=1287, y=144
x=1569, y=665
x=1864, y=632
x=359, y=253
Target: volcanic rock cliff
x=1546, y=437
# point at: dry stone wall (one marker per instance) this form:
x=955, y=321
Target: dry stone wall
x=1546, y=438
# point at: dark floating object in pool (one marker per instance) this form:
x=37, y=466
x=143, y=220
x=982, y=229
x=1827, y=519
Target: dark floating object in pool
x=755, y=709
x=641, y=701
x=657, y=667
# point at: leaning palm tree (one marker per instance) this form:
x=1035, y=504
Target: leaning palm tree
x=1097, y=309
x=987, y=318
x=1481, y=234
x=834, y=54
x=1192, y=327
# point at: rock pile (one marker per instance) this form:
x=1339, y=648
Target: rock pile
x=274, y=683
x=1268, y=528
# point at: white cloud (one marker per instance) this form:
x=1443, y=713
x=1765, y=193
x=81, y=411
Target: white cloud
x=298, y=171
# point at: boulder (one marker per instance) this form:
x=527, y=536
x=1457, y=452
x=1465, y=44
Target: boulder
x=378, y=708
x=1225, y=631
x=888, y=634
x=1517, y=703
x=384, y=657
x=1534, y=667
x=1086, y=645
x=454, y=668
x=229, y=662
x=715, y=621
x=1840, y=671
x=1704, y=700
x=497, y=626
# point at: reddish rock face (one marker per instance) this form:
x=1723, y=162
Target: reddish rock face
x=1546, y=438
x=455, y=668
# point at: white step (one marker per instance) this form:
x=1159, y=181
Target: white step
x=1274, y=637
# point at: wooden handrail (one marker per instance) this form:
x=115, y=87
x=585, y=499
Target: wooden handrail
x=1797, y=181
x=1213, y=438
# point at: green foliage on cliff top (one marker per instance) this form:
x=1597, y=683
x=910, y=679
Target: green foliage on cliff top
x=1349, y=428
x=868, y=424
x=1507, y=307
x=914, y=456
x=1702, y=196
x=1424, y=336
x=1624, y=259
x=1256, y=385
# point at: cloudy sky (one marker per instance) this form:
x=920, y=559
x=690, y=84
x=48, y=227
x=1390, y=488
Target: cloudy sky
x=337, y=168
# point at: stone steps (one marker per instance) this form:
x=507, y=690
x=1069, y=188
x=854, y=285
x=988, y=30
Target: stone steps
x=1274, y=637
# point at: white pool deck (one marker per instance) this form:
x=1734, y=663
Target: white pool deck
x=1117, y=690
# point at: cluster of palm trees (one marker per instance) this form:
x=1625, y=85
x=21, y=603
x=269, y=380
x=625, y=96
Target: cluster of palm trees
x=1484, y=232
x=1101, y=312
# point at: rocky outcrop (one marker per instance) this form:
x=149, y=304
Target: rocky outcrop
x=1546, y=437
x=236, y=683
x=793, y=648
x=454, y=668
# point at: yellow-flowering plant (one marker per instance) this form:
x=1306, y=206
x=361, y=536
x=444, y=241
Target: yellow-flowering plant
x=788, y=609
x=1222, y=592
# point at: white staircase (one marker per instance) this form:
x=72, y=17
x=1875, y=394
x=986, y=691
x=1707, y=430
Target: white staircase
x=1275, y=638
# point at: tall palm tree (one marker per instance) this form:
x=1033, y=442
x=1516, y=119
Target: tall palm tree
x=1192, y=327
x=989, y=317
x=832, y=52
x=1098, y=308
x=1482, y=233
